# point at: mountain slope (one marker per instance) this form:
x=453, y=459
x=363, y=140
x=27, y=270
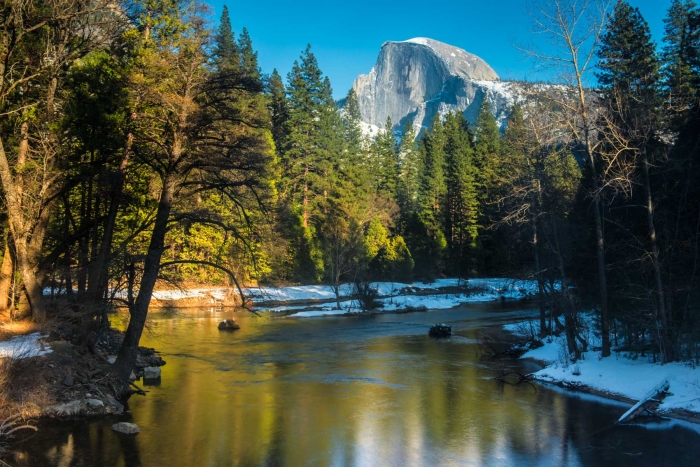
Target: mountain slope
x=418, y=78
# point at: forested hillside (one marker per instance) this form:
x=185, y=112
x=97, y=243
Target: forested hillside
x=141, y=147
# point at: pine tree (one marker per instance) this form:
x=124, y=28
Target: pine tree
x=681, y=53
x=248, y=56
x=352, y=120
x=225, y=47
x=423, y=231
x=461, y=201
x=628, y=64
x=433, y=187
x=409, y=173
x=629, y=77
x=279, y=109
x=384, y=163
x=487, y=145
x=353, y=166
x=300, y=161
x=489, y=172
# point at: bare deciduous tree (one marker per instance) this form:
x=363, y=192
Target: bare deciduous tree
x=572, y=30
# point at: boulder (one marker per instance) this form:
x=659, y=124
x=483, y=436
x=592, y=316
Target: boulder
x=151, y=373
x=126, y=428
x=228, y=325
x=69, y=381
x=95, y=403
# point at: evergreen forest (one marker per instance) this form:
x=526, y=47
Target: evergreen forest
x=142, y=146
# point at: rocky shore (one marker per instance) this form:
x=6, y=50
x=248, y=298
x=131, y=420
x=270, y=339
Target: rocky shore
x=72, y=379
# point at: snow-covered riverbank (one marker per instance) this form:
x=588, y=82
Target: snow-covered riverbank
x=318, y=300
x=620, y=376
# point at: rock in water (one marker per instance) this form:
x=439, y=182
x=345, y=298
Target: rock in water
x=417, y=78
x=151, y=373
x=228, y=325
x=440, y=330
x=126, y=428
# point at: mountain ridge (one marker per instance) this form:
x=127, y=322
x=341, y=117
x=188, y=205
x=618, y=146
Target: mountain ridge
x=419, y=78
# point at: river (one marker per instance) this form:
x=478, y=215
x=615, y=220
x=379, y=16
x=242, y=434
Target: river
x=351, y=391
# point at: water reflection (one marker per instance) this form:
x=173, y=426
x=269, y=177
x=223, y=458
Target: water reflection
x=350, y=392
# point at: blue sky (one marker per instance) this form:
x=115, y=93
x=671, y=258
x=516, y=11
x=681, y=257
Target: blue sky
x=346, y=36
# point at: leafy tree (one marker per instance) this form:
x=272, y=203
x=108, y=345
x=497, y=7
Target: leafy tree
x=40, y=42
x=190, y=136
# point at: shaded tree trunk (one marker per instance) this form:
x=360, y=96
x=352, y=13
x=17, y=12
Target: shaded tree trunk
x=98, y=277
x=667, y=353
x=540, y=280
x=129, y=349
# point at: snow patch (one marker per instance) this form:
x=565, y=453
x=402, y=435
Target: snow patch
x=26, y=346
x=618, y=374
x=393, y=296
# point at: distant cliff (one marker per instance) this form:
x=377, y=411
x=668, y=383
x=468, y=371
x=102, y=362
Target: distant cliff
x=415, y=79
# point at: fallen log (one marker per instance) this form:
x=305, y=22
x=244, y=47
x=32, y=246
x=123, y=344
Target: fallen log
x=648, y=403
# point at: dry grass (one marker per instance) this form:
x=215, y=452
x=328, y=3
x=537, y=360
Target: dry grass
x=23, y=390
x=9, y=329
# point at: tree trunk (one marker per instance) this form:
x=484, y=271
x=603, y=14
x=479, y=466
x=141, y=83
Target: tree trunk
x=666, y=346
x=85, y=197
x=540, y=280
x=32, y=286
x=602, y=281
x=600, y=234
x=97, y=280
x=129, y=349
x=569, y=318
x=28, y=234
x=6, y=277
x=305, y=202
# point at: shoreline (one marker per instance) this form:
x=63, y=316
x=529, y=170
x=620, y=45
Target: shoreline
x=618, y=378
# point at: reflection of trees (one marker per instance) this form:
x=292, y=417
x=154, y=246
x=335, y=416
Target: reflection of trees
x=80, y=443
x=290, y=393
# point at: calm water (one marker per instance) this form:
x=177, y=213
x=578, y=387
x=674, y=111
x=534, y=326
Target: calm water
x=360, y=391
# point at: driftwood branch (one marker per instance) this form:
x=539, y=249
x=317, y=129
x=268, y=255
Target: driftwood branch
x=648, y=403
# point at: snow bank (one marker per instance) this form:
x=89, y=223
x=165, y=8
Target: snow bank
x=618, y=375
x=26, y=346
x=178, y=294
x=295, y=293
x=488, y=289
x=393, y=296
